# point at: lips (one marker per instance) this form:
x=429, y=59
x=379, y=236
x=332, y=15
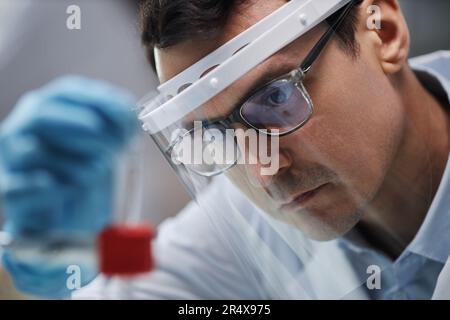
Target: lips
x=301, y=200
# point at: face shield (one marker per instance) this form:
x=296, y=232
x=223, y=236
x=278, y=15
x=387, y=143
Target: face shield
x=227, y=153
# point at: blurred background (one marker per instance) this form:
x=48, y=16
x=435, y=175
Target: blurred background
x=36, y=47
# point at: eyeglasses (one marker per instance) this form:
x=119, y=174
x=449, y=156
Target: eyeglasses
x=276, y=109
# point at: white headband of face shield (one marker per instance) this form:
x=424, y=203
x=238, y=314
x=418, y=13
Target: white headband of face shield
x=214, y=73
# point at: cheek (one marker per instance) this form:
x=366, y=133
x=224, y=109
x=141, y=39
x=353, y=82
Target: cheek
x=355, y=132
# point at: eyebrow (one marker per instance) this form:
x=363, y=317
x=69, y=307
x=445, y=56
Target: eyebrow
x=270, y=74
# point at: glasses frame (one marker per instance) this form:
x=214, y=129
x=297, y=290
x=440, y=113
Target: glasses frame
x=296, y=77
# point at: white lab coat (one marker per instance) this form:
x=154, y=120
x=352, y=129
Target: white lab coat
x=442, y=291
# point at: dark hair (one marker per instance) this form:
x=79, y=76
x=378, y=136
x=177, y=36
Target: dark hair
x=165, y=23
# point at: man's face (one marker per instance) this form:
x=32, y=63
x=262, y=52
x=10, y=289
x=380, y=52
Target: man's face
x=331, y=168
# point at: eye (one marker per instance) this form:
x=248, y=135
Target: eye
x=278, y=95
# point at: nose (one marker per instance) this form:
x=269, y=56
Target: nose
x=258, y=174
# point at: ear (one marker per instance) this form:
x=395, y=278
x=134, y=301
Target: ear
x=388, y=32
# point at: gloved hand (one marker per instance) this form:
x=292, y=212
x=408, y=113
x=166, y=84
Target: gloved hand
x=57, y=154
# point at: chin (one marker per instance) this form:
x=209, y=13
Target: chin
x=323, y=234
x=324, y=226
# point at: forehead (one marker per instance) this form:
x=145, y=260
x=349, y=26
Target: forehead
x=173, y=60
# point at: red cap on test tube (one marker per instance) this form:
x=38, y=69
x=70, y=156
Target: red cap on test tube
x=125, y=250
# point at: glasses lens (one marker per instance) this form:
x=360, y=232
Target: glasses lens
x=281, y=106
x=207, y=151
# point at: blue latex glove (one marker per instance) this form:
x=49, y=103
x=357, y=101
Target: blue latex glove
x=57, y=157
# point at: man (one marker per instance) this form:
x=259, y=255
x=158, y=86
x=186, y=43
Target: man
x=367, y=171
